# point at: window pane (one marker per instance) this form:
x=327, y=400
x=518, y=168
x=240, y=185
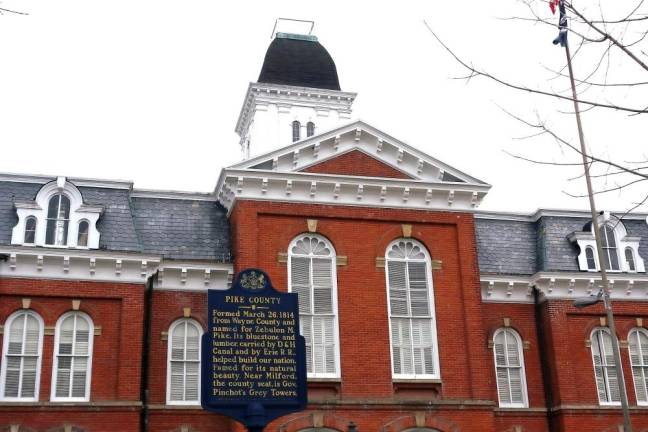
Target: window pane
x=589, y=255
x=82, y=239
x=310, y=129
x=629, y=256
x=30, y=230
x=296, y=126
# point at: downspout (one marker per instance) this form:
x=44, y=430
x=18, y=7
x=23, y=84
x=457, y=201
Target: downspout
x=146, y=347
x=544, y=361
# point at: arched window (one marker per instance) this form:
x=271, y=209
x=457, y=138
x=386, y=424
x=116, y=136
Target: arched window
x=30, y=230
x=609, y=242
x=21, y=357
x=310, y=129
x=82, y=236
x=296, y=131
x=311, y=274
x=638, y=346
x=58, y=218
x=630, y=261
x=607, y=383
x=509, y=368
x=72, y=357
x=183, y=363
x=411, y=310
x=589, y=255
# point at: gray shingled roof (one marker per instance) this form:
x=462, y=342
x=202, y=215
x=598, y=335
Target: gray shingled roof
x=9, y=193
x=523, y=248
x=183, y=229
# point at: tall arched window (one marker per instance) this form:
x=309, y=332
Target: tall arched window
x=21, y=357
x=310, y=129
x=311, y=274
x=630, y=261
x=509, y=368
x=589, y=256
x=638, y=346
x=610, y=253
x=58, y=218
x=411, y=310
x=72, y=357
x=30, y=230
x=607, y=383
x=296, y=131
x=183, y=362
x=82, y=235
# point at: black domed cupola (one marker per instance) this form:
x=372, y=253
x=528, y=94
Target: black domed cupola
x=299, y=60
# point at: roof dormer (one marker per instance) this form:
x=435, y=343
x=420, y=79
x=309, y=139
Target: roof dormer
x=57, y=217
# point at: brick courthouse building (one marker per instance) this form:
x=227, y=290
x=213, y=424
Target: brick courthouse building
x=421, y=313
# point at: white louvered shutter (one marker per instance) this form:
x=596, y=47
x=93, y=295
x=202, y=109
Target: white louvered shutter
x=312, y=277
x=184, y=362
x=638, y=347
x=607, y=383
x=509, y=368
x=73, y=357
x=411, y=310
x=22, y=357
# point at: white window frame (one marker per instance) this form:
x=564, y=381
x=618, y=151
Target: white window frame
x=643, y=366
x=27, y=219
x=435, y=343
x=201, y=331
x=5, y=349
x=57, y=335
x=334, y=297
x=520, y=348
x=605, y=366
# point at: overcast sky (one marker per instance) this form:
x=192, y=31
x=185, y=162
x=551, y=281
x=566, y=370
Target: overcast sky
x=150, y=90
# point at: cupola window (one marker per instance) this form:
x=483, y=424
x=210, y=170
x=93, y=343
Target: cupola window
x=30, y=230
x=610, y=254
x=629, y=257
x=310, y=129
x=296, y=131
x=82, y=239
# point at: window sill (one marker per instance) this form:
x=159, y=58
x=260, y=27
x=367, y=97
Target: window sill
x=428, y=389
x=417, y=381
x=4, y=403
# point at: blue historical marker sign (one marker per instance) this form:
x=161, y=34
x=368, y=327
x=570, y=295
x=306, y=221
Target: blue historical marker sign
x=253, y=358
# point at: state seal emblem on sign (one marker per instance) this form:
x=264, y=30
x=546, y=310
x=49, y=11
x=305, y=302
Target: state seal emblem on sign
x=253, y=280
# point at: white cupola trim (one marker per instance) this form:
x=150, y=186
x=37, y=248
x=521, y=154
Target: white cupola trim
x=70, y=214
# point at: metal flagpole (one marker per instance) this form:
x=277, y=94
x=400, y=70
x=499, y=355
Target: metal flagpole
x=607, y=301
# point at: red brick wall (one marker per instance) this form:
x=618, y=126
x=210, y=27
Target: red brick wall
x=356, y=163
x=116, y=366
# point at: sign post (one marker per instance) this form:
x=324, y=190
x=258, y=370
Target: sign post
x=253, y=357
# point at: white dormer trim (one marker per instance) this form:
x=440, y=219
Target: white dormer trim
x=586, y=239
x=38, y=209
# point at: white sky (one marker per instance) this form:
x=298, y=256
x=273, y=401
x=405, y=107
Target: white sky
x=150, y=90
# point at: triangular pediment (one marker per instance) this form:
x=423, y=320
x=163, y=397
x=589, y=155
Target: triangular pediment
x=358, y=136
x=355, y=165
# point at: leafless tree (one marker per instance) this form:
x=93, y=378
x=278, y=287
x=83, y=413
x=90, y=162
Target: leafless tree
x=596, y=39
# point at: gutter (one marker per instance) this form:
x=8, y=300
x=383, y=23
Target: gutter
x=146, y=346
x=544, y=361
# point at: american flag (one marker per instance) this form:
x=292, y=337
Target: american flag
x=562, y=21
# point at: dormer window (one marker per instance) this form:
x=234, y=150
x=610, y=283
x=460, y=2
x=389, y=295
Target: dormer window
x=58, y=218
x=296, y=131
x=620, y=250
x=310, y=129
x=30, y=230
x=82, y=238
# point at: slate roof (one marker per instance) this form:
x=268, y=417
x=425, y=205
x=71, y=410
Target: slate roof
x=514, y=247
x=183, y=229
x=173, y=228
x=299, y=61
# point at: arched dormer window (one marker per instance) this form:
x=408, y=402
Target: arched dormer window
x=183, y=362
x=296, y=131
x=310, y=129
x=72, y=357
x=620, y=249
x=30, y=230
x=411, y=310
x=312, y=275
x=638, y=347
x=82, y=236
x=509, y=368
x=607, y=383
x=55, y=218
x=589, y=255
x=21, y=357
x=58, y=218
x=629, y=258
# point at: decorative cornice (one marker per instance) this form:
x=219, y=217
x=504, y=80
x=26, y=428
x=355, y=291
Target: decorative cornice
x=346, y=190
x=561, y=286
x=83, y=182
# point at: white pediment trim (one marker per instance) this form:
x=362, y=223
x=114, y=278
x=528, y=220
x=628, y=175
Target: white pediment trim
x=357, y=135
x=560, y=286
